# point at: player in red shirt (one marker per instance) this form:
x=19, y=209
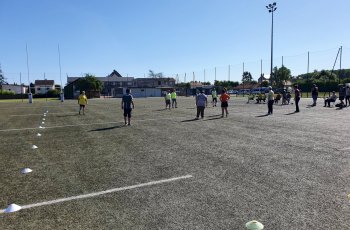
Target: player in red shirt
x=224, y=97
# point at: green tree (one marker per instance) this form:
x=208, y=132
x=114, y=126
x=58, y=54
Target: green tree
x=247, y=77
x=2, y=79
x=89, y=83
x=152, y=74
x=280, y=76
x=265, y=83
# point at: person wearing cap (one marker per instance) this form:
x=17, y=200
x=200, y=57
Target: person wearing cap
x=224, y=97
x=330, y=99
x=201, y=103
x=82, y=102
x=314, y=93
x=297, y=98
x=270, y=101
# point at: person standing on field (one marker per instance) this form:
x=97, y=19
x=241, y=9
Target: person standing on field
x=201, y=103
x=173, y=99
x=314, y=93
x=270, y=101
x=214, y=95
x=167, y=99
x=127, y=101
x=224, y=97
x=82, y=101
x=297, y=98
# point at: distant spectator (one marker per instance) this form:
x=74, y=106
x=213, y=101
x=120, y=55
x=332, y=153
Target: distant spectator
x=270, y=101
x=330, y=99
x=297, y=98
x=347, y=95
x=314, y=93
x=277, y=98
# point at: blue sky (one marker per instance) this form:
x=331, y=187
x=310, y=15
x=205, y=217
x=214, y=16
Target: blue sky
x=169, y=36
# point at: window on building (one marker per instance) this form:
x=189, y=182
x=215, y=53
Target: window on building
x=38, y=89
x=159, y=83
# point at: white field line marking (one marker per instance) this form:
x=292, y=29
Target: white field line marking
x=102, y=192
x=348, y=148
x=38, y=114
x=101, y=123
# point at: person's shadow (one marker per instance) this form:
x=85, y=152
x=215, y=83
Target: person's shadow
x=108, y=128
x=190, y=120
x=265, y=115
x=291, y=113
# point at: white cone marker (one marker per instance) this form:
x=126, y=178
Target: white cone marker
x=26, y=170
x=13, y=208
x=41, y=127
x=34, y=147
x=43, y=122
x=43, y=119
x=44, y=115
x=254, y=225
x=38, y=135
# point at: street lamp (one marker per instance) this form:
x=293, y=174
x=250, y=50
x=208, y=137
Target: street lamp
x=271, y=7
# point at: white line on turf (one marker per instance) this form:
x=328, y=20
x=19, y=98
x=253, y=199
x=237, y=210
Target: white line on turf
x=37, y=114
x=348, y=148
x=103, y=192
x=101, y=123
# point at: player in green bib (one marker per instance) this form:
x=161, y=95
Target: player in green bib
x=173, y=99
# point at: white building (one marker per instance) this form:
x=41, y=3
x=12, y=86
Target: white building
x=18, y=89
x=43, y=86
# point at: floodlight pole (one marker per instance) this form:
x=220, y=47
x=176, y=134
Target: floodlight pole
x=271, y=7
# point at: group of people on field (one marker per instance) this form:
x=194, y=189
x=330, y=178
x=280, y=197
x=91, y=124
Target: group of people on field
x=127, y=103
x=202, y=102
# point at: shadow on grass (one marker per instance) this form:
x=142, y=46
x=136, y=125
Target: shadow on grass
x=191, y=108
x=69, y=115
x=194, y=119
x=265, y=115
x=291, y=113
x=158, y=110
x=214, y=115
x=214, y=118
x=108, y=128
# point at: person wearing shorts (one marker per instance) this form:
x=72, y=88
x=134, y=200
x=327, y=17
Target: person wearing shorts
x=214, y=96
x=224, y=97
x=127, y=101
x=82, y=101
x=167, y=99
x=173, y=99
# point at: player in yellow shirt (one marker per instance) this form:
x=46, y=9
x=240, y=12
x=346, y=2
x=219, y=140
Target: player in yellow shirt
x=82, y=101
x=173, y=99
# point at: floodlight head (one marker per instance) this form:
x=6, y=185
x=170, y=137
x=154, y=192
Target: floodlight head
x=270, y=11
x=274, y=3
x=13, y=208
x=270, y=5
x=267, y=7
x=275, y=9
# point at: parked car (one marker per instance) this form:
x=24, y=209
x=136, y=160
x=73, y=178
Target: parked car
x=260, y=90
x=232, y=91
x=245, y=91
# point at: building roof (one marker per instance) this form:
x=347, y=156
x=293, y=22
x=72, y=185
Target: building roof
x=44, y=82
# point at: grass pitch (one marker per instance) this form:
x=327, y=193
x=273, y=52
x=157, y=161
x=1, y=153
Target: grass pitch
x=288, y=171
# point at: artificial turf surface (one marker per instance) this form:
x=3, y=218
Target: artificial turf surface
x=288, y=171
